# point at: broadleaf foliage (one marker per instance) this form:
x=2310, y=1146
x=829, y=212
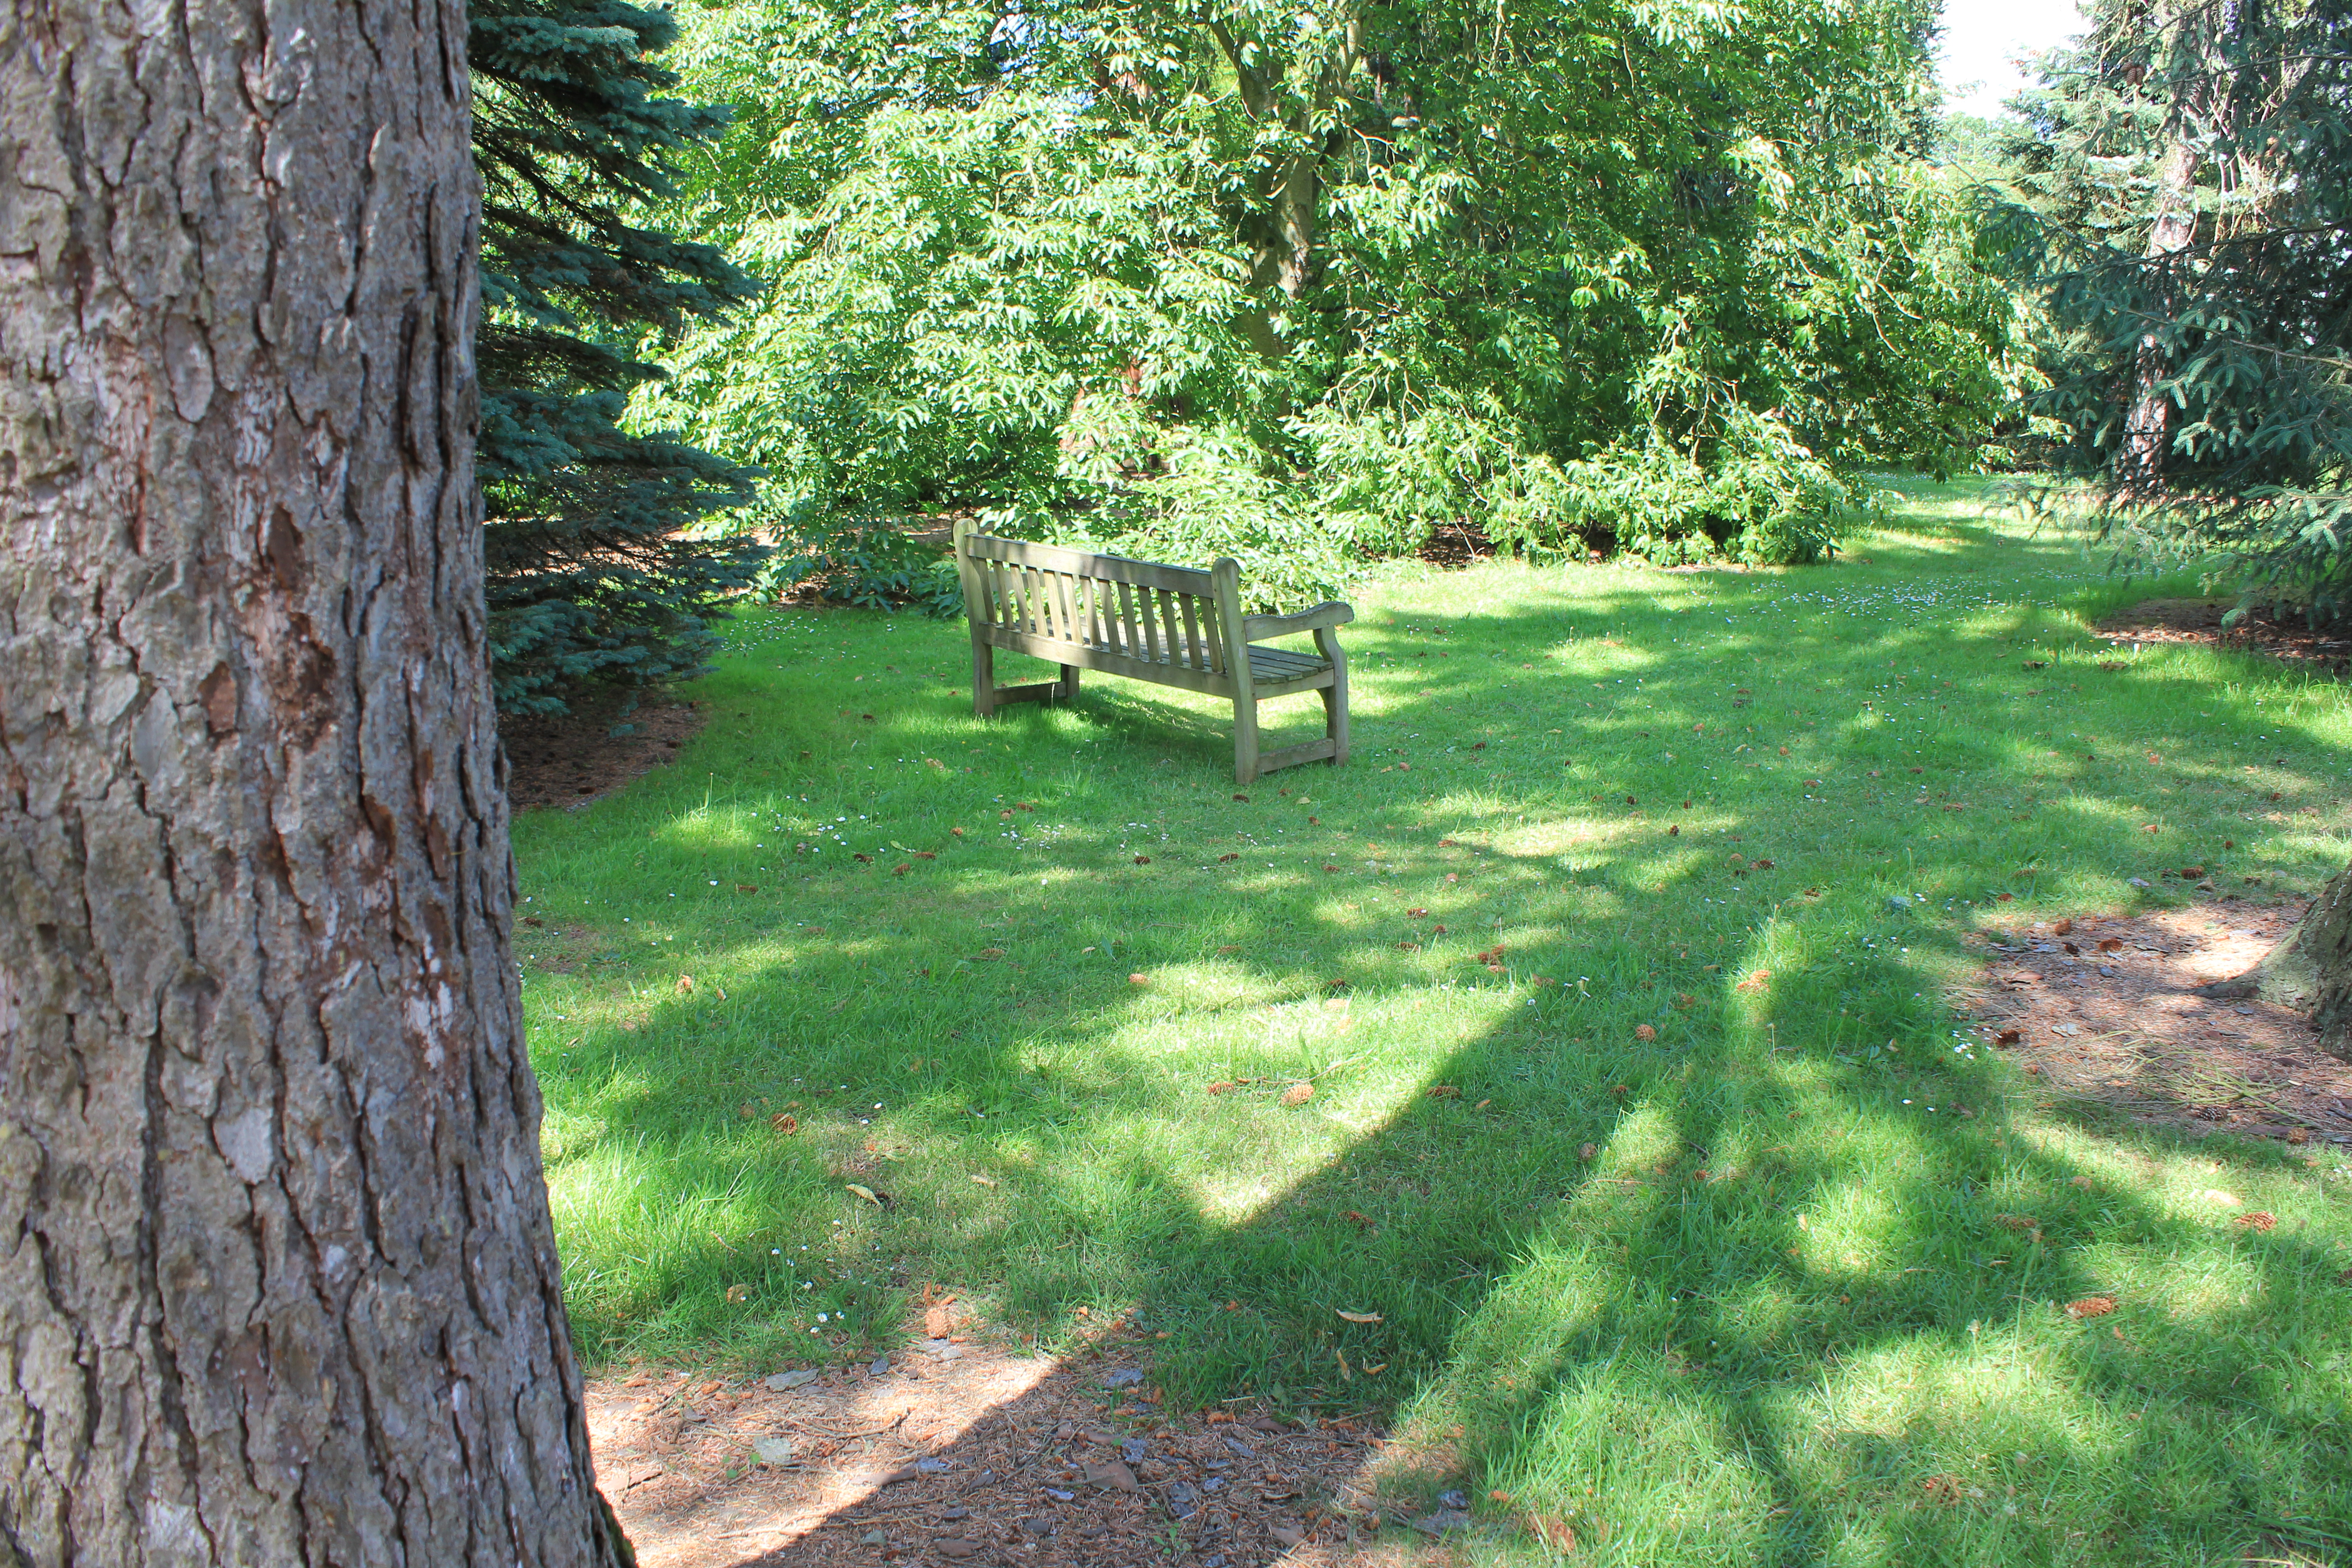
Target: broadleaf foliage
x=1299, y=283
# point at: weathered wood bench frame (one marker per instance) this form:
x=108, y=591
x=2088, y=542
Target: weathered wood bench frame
x=1171, y=626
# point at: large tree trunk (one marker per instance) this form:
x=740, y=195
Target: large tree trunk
x=2323, y=948
x=2148, y=426
x=277, y=1281
x=2311, y=971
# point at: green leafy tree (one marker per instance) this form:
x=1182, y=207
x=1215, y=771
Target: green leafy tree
x=1298, y=283
x=596, y=570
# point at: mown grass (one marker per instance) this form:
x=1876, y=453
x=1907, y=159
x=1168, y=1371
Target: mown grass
x=1773, y=1319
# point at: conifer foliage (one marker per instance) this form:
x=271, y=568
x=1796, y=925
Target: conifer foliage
x=596, y=573
x=2191, y=184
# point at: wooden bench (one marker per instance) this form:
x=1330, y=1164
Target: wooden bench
x=1172, y=626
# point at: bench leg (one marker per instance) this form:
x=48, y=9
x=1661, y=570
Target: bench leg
x=1069, y=693
x=1335, y=696
x=984, y=679
x=1244, y=740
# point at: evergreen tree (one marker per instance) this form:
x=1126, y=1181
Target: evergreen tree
x=2191, y=193
x=594, y=573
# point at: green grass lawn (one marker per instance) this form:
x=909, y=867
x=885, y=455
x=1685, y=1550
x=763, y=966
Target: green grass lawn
x=1044, y=981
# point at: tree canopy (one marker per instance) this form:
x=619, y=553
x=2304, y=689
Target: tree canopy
x=1296, y=284
x=2187, y=184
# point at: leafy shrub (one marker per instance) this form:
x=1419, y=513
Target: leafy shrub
x=870, y=561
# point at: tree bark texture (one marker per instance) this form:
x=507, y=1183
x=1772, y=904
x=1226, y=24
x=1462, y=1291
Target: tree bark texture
x=2320, y=972
x=277, y=1280
x=2148, y=426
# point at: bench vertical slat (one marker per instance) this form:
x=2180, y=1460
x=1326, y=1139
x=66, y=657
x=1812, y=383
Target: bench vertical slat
x=1176, y=651
x=993, y=590
x=1226, y=577
x=1213, y=633
x=1139, y=627
x=1097, y=622
x=1192, y=635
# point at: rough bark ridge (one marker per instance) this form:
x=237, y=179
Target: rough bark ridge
x=278, y=1283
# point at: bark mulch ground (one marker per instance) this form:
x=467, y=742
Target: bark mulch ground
x=571, y=759
x=959, y=1452
x=2101, y=1007
x=2200, y=621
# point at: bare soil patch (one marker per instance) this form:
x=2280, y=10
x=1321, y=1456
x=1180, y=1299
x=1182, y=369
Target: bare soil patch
x=1453, y=545
x=2103, y=1007
x=2200, y=621
x=571, y=759
x=959, y=1452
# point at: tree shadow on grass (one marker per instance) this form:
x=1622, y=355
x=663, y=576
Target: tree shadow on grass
x=1830, y=1346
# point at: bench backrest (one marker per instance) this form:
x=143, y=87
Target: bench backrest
x=1176, y=617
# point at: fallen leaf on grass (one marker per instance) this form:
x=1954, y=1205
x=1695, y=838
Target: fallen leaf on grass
x=685, y=984
x=2006, y=1037
x=1444, y=1091
x=1685, y=999
x=1586, y=1151
x=2111, y=944
x=1554, y=1533
x=784, y=1123
x=983, y=1181
x=991, y=953
x=2260, y=1219
x=868, y=1193
x=1298, y=1094
x=2061, y=928
x=739, y=1292
x=1645, y=1032
x=1414, y=914
x=1359, y=1317
x=1755, y=982
x=2090, y=1307
x=1222, y=1088
x=1139, y=978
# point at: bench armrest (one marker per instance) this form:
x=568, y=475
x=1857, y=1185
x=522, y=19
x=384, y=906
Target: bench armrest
x=1321, y=616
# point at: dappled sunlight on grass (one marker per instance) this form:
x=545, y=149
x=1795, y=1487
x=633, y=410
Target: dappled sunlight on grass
x=1124, y=1038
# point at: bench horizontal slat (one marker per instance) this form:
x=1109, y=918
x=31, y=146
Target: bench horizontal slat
x=1111, y=568
x=1291, y=756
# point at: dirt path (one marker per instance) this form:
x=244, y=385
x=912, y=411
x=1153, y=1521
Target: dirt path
x=2102, y=1007
x=960, y=1452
